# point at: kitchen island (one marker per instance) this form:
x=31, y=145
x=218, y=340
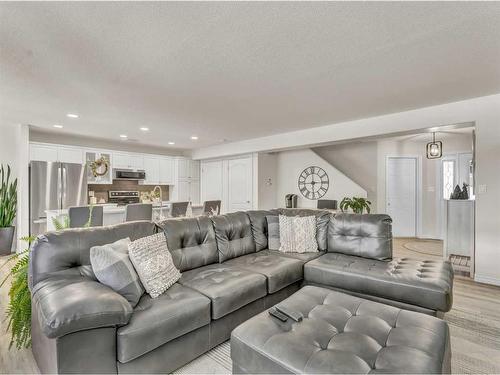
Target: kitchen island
x=115, y=214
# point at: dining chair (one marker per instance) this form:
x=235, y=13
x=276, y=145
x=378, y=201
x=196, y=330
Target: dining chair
x=211, y=208
x=139, y=211
x=178, y=209
x=79, y=216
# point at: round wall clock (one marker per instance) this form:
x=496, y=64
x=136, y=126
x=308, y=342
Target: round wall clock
x=313, y=182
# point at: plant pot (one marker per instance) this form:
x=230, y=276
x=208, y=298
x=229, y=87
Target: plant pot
x=6, y=238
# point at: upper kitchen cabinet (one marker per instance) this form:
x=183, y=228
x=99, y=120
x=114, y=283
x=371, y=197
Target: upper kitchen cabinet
x=159, y=170
x=123, y=160
x=54, y=153
x=188, y=169
x=167, y=175
x=43, y=153
x=99, y=169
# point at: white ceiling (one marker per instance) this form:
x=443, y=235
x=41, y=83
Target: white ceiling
x=238, y=70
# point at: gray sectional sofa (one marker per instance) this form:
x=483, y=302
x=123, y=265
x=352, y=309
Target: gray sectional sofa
x=228, y=276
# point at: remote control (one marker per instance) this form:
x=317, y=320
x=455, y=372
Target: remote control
x=294, y=315
x=278, y=315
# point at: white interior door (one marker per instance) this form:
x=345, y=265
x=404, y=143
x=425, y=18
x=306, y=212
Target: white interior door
x=401, y=199
x=211, y=181
x=240, y=176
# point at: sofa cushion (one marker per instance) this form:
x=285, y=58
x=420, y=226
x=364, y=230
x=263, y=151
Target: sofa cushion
x=273, y=232
x=425, y=283
x=279, y=271
x=322, y=220
x=155, y=322
x=191, y=242
x=341, y=334
x=368, y=236
x=229, y=288
x=304, y=257
x=259, y=226
x=234, y=235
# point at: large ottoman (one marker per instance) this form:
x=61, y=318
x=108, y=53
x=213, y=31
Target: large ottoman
x=340, y=333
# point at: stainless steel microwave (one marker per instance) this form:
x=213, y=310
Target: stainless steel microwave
x=120, y=174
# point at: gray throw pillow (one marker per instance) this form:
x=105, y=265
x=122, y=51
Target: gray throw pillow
x=153, y=262
x=112, y=267
x=273, y=232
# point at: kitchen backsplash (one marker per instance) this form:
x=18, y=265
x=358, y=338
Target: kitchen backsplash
x=101, y=191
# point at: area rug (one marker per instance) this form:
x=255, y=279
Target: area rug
x=427, y=247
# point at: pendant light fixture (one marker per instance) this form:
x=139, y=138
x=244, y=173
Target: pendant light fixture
x=434, y=148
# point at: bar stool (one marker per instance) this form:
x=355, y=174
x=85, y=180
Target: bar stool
x=211, y=208
x=79, y=216
x=178, y=209
x=139, y=211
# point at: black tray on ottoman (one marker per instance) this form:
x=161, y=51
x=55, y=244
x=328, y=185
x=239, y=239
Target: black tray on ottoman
x=340, y=333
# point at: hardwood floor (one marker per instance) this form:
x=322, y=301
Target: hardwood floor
x=474, y=324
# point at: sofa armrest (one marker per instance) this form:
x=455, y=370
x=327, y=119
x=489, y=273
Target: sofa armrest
x=68, y=304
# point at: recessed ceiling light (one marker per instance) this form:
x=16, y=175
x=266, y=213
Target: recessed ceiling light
x=72, y=115
x=144, y=129
x=194, y=137
x=123, y=136
x=58, y=126
x=171, y=143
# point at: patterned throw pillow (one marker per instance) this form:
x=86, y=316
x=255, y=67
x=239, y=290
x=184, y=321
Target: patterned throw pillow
x=112, y=267
x=154, y=264
x=273, y=232
x=297, y=234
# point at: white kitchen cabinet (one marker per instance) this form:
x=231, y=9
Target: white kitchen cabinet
x=43, y=153
x=194, y=191
x=183, y=190
x=123, y=160
x=166, y=174
x=70, y=155
x=93, y=155
x=194, y=169
x=212, y=180
x=152, y=169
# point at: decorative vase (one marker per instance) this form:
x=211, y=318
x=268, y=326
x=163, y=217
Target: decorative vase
x=6, y=238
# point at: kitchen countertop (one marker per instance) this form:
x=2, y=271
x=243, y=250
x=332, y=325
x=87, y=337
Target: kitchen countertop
x=113, y=208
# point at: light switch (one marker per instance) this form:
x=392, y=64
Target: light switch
x=482, y=189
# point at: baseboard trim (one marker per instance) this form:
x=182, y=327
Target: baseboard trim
x=486, y=280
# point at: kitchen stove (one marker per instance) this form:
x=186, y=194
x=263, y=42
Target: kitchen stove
x=123, y=198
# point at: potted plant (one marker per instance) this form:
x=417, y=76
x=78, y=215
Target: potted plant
x=357, y=205
x=18, y=310
x=8, y=207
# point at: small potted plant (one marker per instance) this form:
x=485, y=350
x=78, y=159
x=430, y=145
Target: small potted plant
x=357, y=205
x=8, y=207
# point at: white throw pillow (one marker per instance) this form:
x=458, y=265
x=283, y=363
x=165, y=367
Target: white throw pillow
x=153, y=262
x=298, y=234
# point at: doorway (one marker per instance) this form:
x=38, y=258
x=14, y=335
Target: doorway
x=402, y=194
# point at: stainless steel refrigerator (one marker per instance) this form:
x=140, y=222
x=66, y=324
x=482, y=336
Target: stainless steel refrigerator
x=54, y=186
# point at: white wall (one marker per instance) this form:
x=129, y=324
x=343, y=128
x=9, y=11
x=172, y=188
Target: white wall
x=14, y=151
x=358, y=161
x=289, y=165
x=267, y=181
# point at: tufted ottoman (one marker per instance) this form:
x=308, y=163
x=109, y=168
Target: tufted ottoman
x=341, y=334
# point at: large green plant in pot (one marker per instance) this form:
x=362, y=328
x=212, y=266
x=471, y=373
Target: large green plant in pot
x=357, y=205
x=8, y=207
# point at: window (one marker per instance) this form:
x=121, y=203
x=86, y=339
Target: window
x=448, y=178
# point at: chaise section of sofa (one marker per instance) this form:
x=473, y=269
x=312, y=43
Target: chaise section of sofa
x=359, y=262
